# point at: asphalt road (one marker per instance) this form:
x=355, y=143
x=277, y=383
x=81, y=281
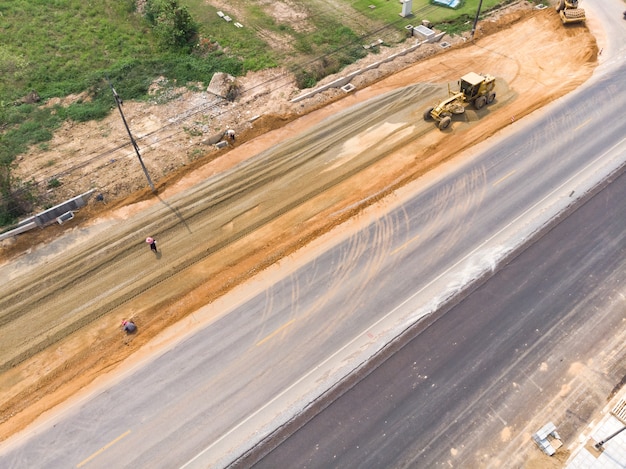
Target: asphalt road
x=493, y=364
x=539, y=341
x=222, y=389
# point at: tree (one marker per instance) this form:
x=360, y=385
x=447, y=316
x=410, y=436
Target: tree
x=15, y=197
x=172, y=24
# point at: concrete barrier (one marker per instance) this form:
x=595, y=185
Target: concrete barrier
x=438, y=37
x=22, y=228
x=338, y=83
x=341, y=82
x=372, y=66
x=50, y=216
x=57, y=214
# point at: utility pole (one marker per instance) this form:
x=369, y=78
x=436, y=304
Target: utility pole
x=600, y=444
x=480, y=4
x=118, y=100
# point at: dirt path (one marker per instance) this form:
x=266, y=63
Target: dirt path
x=60, y=323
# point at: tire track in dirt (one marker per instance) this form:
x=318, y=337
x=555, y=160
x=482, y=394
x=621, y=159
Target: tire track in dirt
x=271, y=181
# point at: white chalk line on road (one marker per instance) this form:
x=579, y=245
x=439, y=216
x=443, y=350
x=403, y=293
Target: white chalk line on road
x=103, y=449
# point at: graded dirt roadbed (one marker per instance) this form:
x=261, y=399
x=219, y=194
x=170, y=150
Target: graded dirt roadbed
x=116, y=269
x=60, y=321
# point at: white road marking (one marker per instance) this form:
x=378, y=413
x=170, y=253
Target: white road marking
x=104, y=448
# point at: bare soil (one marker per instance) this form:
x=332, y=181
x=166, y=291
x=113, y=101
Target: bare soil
x=371, y=142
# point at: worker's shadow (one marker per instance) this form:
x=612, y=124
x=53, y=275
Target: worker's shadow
x=158, y=255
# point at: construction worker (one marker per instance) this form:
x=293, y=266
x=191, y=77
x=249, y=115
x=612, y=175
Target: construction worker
x=129, y=327
x=152, y=243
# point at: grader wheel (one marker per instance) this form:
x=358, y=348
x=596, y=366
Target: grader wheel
x=444, y=123
x=491, y=97
x=427, y=114
x=480, y=102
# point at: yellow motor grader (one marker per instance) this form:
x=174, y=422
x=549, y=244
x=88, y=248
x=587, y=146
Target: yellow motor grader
x=569, y=12
x=474, y=88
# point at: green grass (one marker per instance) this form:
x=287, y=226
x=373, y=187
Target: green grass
x=388, y=11
x=242, y=43
x=60, y=47
x=52, y=45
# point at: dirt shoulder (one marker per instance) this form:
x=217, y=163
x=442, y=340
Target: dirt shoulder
x=381, y=155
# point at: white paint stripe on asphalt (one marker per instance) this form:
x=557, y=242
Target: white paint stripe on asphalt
x=104, y=448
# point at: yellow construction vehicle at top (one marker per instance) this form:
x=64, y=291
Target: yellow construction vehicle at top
x=569, y=12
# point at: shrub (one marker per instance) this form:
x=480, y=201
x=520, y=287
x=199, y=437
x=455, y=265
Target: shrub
x=84, y=112
x=16, y=198
x=54, y=182
x=172, y=24
x=305, y=79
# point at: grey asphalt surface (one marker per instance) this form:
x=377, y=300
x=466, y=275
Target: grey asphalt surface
x=202, y=402
x=470, y=389
x=490, y=364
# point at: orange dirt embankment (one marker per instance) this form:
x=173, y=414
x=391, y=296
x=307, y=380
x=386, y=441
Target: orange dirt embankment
x=60, y=323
